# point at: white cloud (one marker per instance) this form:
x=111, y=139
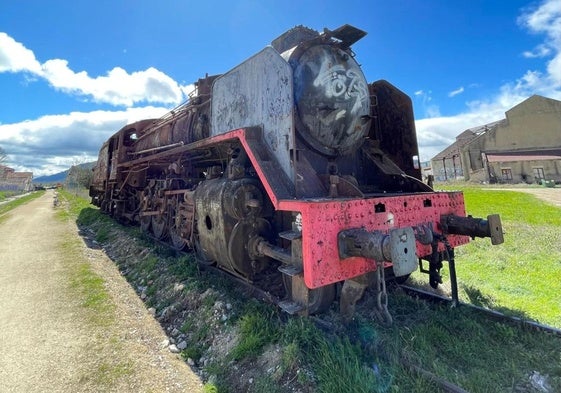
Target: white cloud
x=435, y=133
x=453, y=93
x=117, y=87
x=53, y=143
x=538, y=52
x=14, y=57
x=428, y=109
x=546, y=19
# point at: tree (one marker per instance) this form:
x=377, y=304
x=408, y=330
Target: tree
x=80, y=174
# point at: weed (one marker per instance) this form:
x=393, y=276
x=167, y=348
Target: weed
x=290, y=357
x=265, y=384
x=256, y=330
x=210, y=388
x=108, y=372
x=183, y=268
x=149, y=263
x=352, y=374
x=151, y=291
x=193, y=352
x=103, y=235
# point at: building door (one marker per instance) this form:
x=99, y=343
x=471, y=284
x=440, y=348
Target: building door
x=538, y=174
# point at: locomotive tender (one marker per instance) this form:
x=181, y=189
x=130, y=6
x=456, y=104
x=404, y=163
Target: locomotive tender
x=294, y=163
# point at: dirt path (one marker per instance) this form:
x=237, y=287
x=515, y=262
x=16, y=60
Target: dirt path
x=551, y=195
x=46, y=342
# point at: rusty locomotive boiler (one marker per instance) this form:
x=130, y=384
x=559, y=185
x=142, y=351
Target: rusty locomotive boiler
x=293, y=161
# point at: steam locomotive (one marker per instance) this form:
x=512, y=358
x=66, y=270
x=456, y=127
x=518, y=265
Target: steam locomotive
x=290, y=163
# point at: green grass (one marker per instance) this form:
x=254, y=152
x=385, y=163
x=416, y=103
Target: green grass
x=91, y=290
x=468, y=349
x=455, y=344
x=520, y=276
x=6, y=207
x=6, y=194
x=258, y=327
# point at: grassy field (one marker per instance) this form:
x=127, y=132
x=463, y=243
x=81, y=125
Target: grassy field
x=6, y=194
x=453, y=344
x=6, y=207
x=521, y=276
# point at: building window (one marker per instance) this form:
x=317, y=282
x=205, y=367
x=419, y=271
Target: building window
x=538, y=174
x=506, y=173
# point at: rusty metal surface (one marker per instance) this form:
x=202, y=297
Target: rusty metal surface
x=474, y=227
x=322, y=220
x=258, y=92
x=393, y=125
x=396, y=246
x=100, y=172
x=228, y=214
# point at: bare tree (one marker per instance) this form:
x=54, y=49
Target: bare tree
x=80, y=174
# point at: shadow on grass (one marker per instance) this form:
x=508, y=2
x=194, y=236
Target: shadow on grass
x=479, y=299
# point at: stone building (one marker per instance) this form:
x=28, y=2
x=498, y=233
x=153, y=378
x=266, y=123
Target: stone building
x=523, y=147
x=11, y=180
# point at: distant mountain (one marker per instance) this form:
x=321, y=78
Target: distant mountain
x=61, y=176
x=56, y=178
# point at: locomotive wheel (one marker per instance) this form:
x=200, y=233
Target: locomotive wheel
x=239, y=258
x=177, y=241
x=319, y=299
x=145, y=222
x=159, y=226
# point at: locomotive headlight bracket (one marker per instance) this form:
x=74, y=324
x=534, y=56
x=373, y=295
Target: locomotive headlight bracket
x=397, y=246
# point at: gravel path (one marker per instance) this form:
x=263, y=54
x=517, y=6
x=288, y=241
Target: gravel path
x=551, y=195
x=47, y=344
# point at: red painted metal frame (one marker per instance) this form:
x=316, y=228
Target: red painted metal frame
x=323, y=219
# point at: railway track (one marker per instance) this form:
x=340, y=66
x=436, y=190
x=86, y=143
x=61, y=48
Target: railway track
x=263, y=289
x=493, y=314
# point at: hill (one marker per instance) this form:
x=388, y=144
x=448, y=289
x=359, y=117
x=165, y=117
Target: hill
x=56, y=178
x=61, y=176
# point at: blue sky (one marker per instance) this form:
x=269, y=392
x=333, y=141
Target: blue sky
x=71, y=74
